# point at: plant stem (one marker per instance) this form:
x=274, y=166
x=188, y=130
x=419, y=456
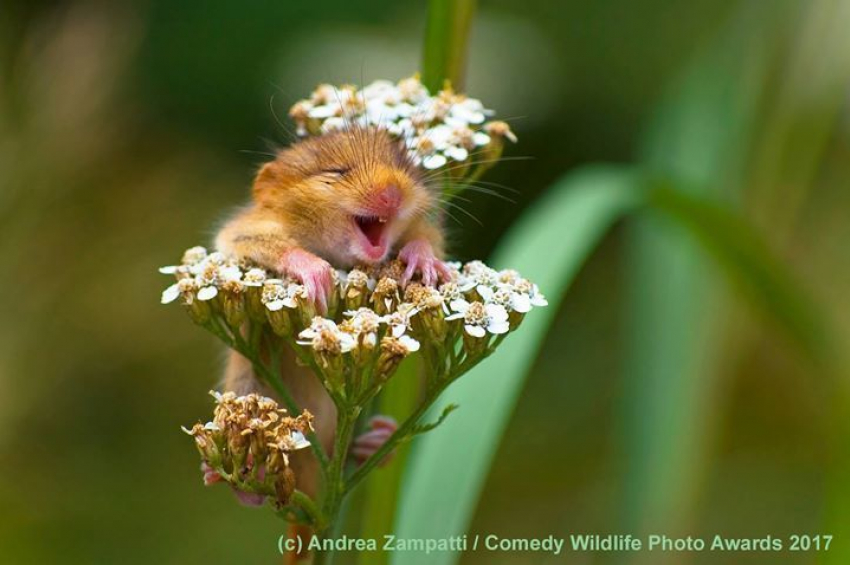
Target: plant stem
x=306, y=503
x=335, y=483
x=446, y=38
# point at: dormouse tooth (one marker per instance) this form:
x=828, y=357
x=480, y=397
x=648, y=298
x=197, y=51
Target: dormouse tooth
x=382, y=220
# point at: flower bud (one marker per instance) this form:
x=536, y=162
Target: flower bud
x=233, y=304
x=284, y=486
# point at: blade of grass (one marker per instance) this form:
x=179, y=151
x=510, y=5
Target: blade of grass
x=549, y=245
x=446, y=38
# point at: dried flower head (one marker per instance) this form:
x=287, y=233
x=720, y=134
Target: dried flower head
x=248, y=443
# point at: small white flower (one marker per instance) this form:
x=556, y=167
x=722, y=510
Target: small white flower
x=254, y=277
x=276, y=295
x=399, y=321
x=185, y=287
x=479, y=318
x=507, y=296
x=527, y=288
x=355, y=279
x=363, y=323
x=469, y=110
x=325, y=111
x=191, y=257
x=194, y=255
x=325, y=335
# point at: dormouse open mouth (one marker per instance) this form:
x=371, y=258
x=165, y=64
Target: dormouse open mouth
x=373, y=227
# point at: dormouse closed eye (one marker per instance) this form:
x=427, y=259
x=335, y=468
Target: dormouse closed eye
x=331, y=175
x=337, y=170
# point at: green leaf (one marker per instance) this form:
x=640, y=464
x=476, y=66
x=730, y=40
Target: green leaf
x=549, y=245
x=422, y=428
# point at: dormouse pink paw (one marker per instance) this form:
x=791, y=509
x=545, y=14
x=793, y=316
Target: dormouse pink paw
x=366, y=444
x=311, y=271
x=419, y=257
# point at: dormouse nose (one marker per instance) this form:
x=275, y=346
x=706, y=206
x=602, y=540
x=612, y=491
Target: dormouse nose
x=387, y=199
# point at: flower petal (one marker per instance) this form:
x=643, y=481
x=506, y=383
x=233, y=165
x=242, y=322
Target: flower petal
x=434, y=161
x=521, y=303
x=475, y=331
x=299, y=440
x=409, y=343
x=207, y=293
x=170, y=294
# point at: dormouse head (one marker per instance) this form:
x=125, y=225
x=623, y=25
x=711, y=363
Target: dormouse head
x=348, y=196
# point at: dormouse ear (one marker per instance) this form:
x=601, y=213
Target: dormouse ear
x=266, y=177
x=271, y=181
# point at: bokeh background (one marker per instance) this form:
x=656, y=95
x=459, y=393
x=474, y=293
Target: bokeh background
x=665, y=398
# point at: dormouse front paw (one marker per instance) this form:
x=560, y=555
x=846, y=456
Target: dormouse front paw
x=419, y=257
x=311, y=271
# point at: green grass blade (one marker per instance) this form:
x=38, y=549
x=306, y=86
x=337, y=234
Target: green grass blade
x=549, y=245
x=446, y=38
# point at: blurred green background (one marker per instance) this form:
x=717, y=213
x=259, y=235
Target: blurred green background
x=667, y=398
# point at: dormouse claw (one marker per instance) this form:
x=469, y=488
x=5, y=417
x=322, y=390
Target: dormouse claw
x=419, y=257
x=312, y=272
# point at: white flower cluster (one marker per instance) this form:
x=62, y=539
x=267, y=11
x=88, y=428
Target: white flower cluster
x=496, y=295
x=437, y=130
x=200, y=275
x=368, y=309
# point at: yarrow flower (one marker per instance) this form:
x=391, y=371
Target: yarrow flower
x=325, y=336
x=479, y=319
x=372, y=303
x=372, y=322
x=437, y=130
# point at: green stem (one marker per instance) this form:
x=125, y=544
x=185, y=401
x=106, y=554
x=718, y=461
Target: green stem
x=309, y=507
x=446, y=38
x=335, y=483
